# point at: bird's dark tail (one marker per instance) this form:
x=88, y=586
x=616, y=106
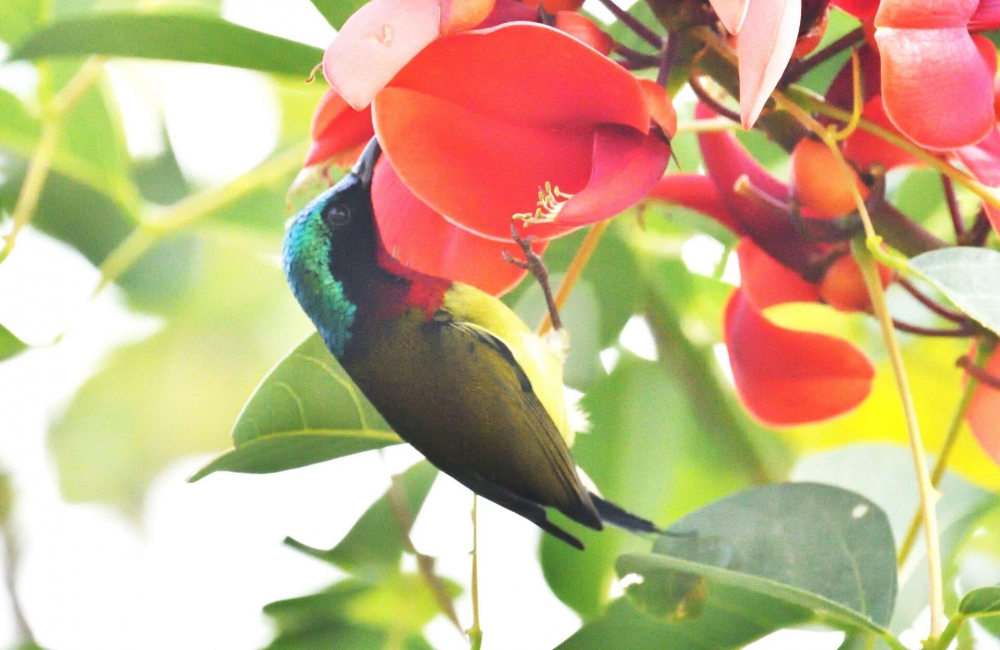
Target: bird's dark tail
x=621, y=518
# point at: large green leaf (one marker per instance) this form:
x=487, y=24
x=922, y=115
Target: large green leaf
x=337, y=12
x=375, y=544
x=306, y=411
x=757, y=561
x=192, y=37
x=967, y=276
x=981, y=602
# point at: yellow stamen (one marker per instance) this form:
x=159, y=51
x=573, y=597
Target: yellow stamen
x=550, y=202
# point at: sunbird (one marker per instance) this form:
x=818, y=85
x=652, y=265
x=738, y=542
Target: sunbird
x=449, y=367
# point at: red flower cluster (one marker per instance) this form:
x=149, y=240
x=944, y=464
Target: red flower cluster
x=488, y=117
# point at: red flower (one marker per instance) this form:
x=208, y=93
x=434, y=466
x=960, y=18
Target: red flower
x=782, y=376
x=520, y=120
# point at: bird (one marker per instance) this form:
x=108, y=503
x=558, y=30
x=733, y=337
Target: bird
x=454, y=371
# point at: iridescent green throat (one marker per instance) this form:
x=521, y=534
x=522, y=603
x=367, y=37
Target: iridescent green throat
x=307, y=249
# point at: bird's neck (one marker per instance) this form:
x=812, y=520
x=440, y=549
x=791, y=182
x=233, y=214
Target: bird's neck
x=342, y=276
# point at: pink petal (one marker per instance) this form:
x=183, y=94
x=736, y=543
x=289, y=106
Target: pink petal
x=731, y=13
x=765, y=46
x=924, y=73
x=766, y=282
x=987, y=16
x=375, y=43
x=983, y=159
x=925, y=14
x=626, y=166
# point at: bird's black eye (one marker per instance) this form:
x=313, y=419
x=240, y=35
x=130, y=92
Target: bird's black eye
x=336, y=214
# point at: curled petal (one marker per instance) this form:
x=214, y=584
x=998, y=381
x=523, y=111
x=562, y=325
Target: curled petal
x=785, y=377
x=423, y=240
x=766, y=282
x=481, y=153
x=696, y=192
x=661, y=109
x=375, y=43
x=983, y=415
x=460, y=15
x=626, y=166
x=584, y=30
x=726, y=161
x=731, y=13
x=923, y=72
x=765, y=46
x=337, y=128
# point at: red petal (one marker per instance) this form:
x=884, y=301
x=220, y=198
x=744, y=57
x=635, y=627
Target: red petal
x=924, y=71
x=423, y=240
x=627, y=165
x=479, y=151
x=866, y=149
x=765, y=46
x=785, y=377
x=764, y=281
x=987, y=16
x=983, y=415
x=375, y=42
x=336, y=127
x=696, y=192
x=983, y=159
x=726, y=160
x=925, y=14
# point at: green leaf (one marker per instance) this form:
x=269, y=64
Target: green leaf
x=306, y=411
x=376, y=543
x=357, y=615
x=821, y=539
x=337, y=12
x=10, y=345
x=981, y=602
x=196, y=38
x=967, y=276
x=757, y=561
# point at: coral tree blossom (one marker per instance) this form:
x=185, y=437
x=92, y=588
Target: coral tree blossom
x=515, y=120
x=783, y=376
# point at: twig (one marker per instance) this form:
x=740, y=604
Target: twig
x=796, y=71
x=637, y=27
x=956, y=213
x=576, y=267
x=710, y=101
x=926, y=301
x=475, y=632
x=956, y=332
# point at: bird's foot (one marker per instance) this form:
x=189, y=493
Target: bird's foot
x=533, y=264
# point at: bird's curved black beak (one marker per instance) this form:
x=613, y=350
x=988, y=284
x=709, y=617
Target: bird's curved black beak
x=364, y=169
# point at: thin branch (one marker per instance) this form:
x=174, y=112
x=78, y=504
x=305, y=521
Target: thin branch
x=637, y=27
x=576, y=267
x=959, y=332
x=953, y=209
x=978, y=373
x=710, y=101
x=926, y=301
x=635, y=57
x=475, y=632
x=798, y=70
